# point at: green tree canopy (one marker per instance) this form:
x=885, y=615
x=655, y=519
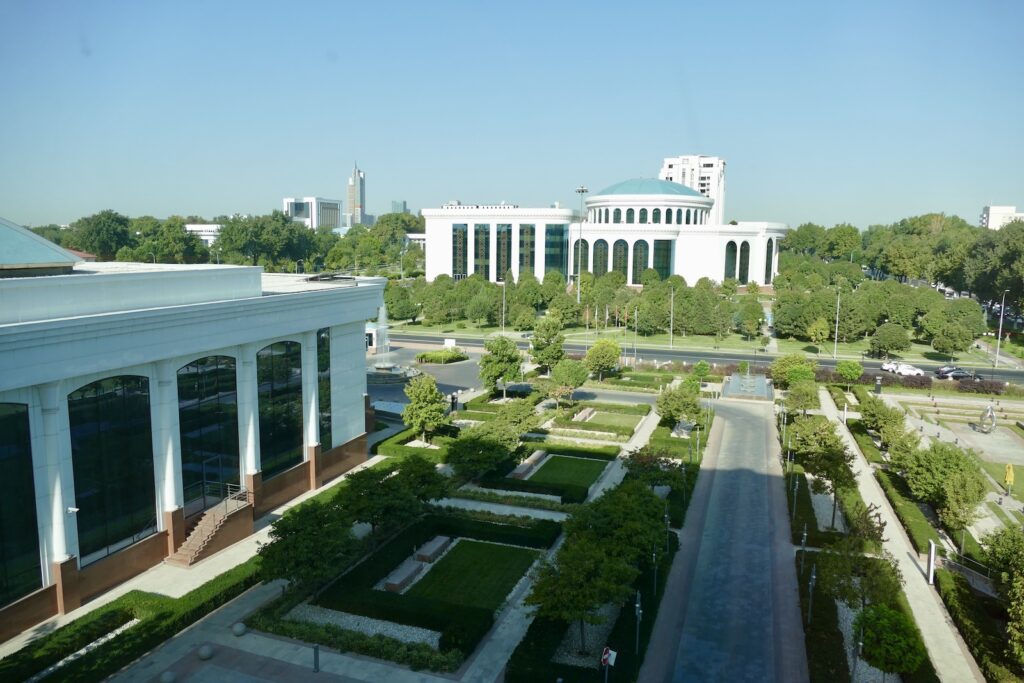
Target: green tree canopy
x=792, y=367
x=850, y=371
x=678, y=403
x=603, y=357
x=501, y=362
x=307, y=544
x=566, y=377
x=802, y=395
x=425, y=411
x=889, y=338
x=891, y=640
x=547, y=342
x=102, y=234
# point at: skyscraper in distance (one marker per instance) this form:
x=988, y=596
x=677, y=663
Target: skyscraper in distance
x=399, y=206
x=702, y=173
x=356, y=197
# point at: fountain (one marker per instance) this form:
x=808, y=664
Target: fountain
x=385, y=371
x=756, y=387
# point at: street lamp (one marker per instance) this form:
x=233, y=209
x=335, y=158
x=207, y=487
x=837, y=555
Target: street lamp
x=835, y=343
x=636, y=326
x=999, y=338
x=217, y=252
x=297, y=266
x=153, y=256
x=639, y=615
x=581, y=190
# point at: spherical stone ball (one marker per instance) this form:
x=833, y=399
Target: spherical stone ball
x=205, y=652
x=238, y=628
x=168, y=677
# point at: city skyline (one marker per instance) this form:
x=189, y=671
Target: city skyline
x=875, y=114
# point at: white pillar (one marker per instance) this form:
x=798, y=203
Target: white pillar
x=630, y=247
x=248, y=411
x=540, y=234
x=470, y=248
x=310, y=396
x=55, y=473
x=515, y=250
x=348, y=384
x=166, y=440
x=492, y=252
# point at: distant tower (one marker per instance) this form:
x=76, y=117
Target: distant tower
x=702, y=173
x=356, y=197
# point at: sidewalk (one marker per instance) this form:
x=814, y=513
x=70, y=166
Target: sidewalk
x=946, y=649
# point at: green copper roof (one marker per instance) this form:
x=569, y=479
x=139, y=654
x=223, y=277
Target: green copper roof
x=22, y=248
x=648, y=186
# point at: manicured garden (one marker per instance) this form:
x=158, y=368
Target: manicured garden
x=475, y=574
x=442, y=357
x=558, y=470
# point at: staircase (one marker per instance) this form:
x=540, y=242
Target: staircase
x=198, y=544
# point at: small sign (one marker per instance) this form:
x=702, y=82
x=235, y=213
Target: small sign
x=611, y=657
x=449, y=343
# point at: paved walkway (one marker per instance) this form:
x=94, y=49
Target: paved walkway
x=946, y=648
x=731, y=609
x=501, y=509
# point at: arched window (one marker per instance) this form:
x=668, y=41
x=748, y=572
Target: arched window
x=641, y=251
x=744, y=263
x=730, y=261
x=112, y=460
x=19, y=534
x=656, y=216
x=600, y=258
x=617, y=216
x=605, y=216
x=769, y=254
x=208, y=420
x=630, y=215
x=279, y=373
x=643, y=215
x=679, y=216
x=580, y=257
x=668, y=216
x=687, y=216
x=620, y=252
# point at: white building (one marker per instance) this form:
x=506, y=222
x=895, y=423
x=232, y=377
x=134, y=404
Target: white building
x=207, y=232
x=702, y=173
x=133, y=397
x=995, y=217
x=314, y=212
x=629, y=227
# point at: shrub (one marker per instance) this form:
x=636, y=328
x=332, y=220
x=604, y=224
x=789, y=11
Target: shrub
x=395, y=447
x=985, y=386
x=569, y=493
x=980, y=630
x=592, y=452
x=567, y=423
x=453, y=355
x=919, y=529
x=626, y=409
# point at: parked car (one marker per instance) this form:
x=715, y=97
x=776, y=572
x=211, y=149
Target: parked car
x=890, y=366
x=907, y=370
x=959, y=373
x=946, y=369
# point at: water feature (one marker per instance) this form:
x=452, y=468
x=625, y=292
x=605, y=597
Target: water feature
x=755, y=387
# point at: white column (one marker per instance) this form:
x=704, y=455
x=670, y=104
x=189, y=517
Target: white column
x=54, y=478
x=166, y=440
x=540, y=233
x=630, y=248
x=310, y=396
x=470, y=248
x=492, y=252
x=248, y=411
x=348, y=384
x=515, y=250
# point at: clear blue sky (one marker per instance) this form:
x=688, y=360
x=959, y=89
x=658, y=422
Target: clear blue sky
x=827, y=111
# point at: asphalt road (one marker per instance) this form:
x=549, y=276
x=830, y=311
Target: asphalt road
x=712, y=356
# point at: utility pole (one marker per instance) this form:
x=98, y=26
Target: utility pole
x=636, y=327
x=835, y=344
x=999, y=337
x=671, y=315
x=581, y=190
x=503, y=308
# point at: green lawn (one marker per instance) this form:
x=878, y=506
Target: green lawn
x=616, y=419
x=476, y=574
x=916, y=353
x=560, y=469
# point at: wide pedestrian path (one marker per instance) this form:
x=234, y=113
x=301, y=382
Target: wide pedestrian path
x=731, y=608
x=946, y=648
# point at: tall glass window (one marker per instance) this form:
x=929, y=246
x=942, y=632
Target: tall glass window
x=640, y=253
x=730, y=261
x=112, y=458
x=208, y=419
x=617, y=216
x=630, y=214
x=556, y=248
x=679, y=216
x=687, y=216
x=279, y=373
x=482, y=250
x=580, y=256
x=504, y=238
x=19, y=538
x=668, y=216
x=656, y=216
x=769, y=253
x=323, y=386
x=620, y=252
x=605, y=216
x=744, y=262
x=663, y=258
x=460, y=250
x=527, y=247
x=600, y=258
x=643, y=215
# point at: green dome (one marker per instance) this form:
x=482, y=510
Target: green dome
x=649, y=186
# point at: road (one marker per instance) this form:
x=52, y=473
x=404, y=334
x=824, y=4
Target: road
x=731, y=610
x=711, y=356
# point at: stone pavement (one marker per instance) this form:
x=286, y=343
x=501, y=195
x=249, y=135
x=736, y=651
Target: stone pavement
x=501, y=509
x=946, y=648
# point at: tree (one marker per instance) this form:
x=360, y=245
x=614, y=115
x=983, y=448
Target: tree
x=376, y=497
x=892, y=643
x=500, y=363
x=749, y=316
x=307, y=544
x=952, y=338
x=841, y=240
x=603, y=357
x=547, y=342
x=420, y=477
x=478, y=451
x=1015, y=625
x=808, y=238
x=678, y=403
x=728, y=287
x=399, y=302
x=425, y=411
x=802, y=395
x=783, y=367
x=1004, y=552
x=850, y=371
x=566, y=377
x=928, y=471
x=103, y=234
x=962, y=492
x=753, y=288
x=522, y=317
x=888, y=338
x=818, y=332
x=528, y=290
x=554, y=284
x=701, y=370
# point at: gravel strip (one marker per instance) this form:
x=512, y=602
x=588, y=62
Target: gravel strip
x=864, y=673
x=596, y=638
x=407, y=634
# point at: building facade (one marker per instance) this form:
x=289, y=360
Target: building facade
x=356, y=214
x=629, y=227
x=133, y=398
x=314, y=212
x=399, y=206
x=705, y=174
x=995, y=217
x=207, y=232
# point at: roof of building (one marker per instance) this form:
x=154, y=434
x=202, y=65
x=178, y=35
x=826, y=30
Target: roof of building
x=21, y=248
x=648, y=186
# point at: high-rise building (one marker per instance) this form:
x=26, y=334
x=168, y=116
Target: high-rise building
x=356, y=198
x=995, y=217
x=399, y=206
x=314, y=211
x=702, y=173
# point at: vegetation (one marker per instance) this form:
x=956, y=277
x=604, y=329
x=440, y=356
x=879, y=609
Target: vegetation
x=547, y=343
x=603, y=357
x=501, y=363
x=442, y=357
x=679, y=403
x=565, y=470
x=566, y=376
x=484, y=573
x=426, y=410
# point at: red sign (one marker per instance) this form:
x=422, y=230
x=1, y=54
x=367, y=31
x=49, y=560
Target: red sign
x=604, y=656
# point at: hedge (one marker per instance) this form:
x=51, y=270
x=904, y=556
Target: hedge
x=978, y=620
x=569, y=493
x=805, y=516
x=864, y=440
x=826, y=652
x=442, y=357
x=478, y=415
x=394, y=446
x=626, y=409
x=567, y=423
x=919, y=529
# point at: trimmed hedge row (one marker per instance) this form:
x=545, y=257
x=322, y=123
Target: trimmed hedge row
x=394, y=446
x=826, y=654
x=919, y=529
x=478, y=415
x=864, y=440
x=592, y=452
x=569, y=493
x=625, y=409
x=567, y=423
x=443, y=356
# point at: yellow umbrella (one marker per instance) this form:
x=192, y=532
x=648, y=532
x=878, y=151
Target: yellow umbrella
x=1009, y=474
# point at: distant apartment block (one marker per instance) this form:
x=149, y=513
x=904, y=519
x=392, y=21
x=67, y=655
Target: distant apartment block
x=995, y=217
x=314, y=212
x=207, y=232
x=399, y=206
x=704, y=174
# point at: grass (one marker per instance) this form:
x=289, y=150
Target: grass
x=865, y=442
x=826, y=656
x=616, y=419
x=475, y=574
x=998, y=511
x=805, y=517
x=559, y=470
x=919, y=529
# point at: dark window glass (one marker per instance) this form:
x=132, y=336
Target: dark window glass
x=605, y=216
x=580, y=256
x=527, y=248
x=208, y=419
x=663, y=258
x=503, y=236
x=482, y=250
x=730, y=261
x=629, y=215
x=640, y=259
x=643, y=215
x=460, y=250
x=744, y=262
x=323, y=384
x=600, y=258
x=112, y=458
x=617, y=216
x=556, y=248
x=620, y=251
x=19, y=536
x=656, y=216
x=279, y=373
x=688, y=217
x=769, y=254
x=679, y=216
x=668, y=216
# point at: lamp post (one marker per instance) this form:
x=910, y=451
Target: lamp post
x=639, y=615
x=152, y=256
x=810, y=592
x=581, y=190
x=503, y=308
x=999, y=338
x=835, y=343
x=217, y=252
x=671, y=315
x=297, y=266
x=636, y=327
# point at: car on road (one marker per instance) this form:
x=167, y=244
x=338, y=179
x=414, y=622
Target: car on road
x=908, y=370
x=890, y=366
x=946, y=369
x=959, y=373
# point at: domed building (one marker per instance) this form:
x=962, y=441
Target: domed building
x=628, y=227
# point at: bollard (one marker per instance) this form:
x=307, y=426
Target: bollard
x=316, y=659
